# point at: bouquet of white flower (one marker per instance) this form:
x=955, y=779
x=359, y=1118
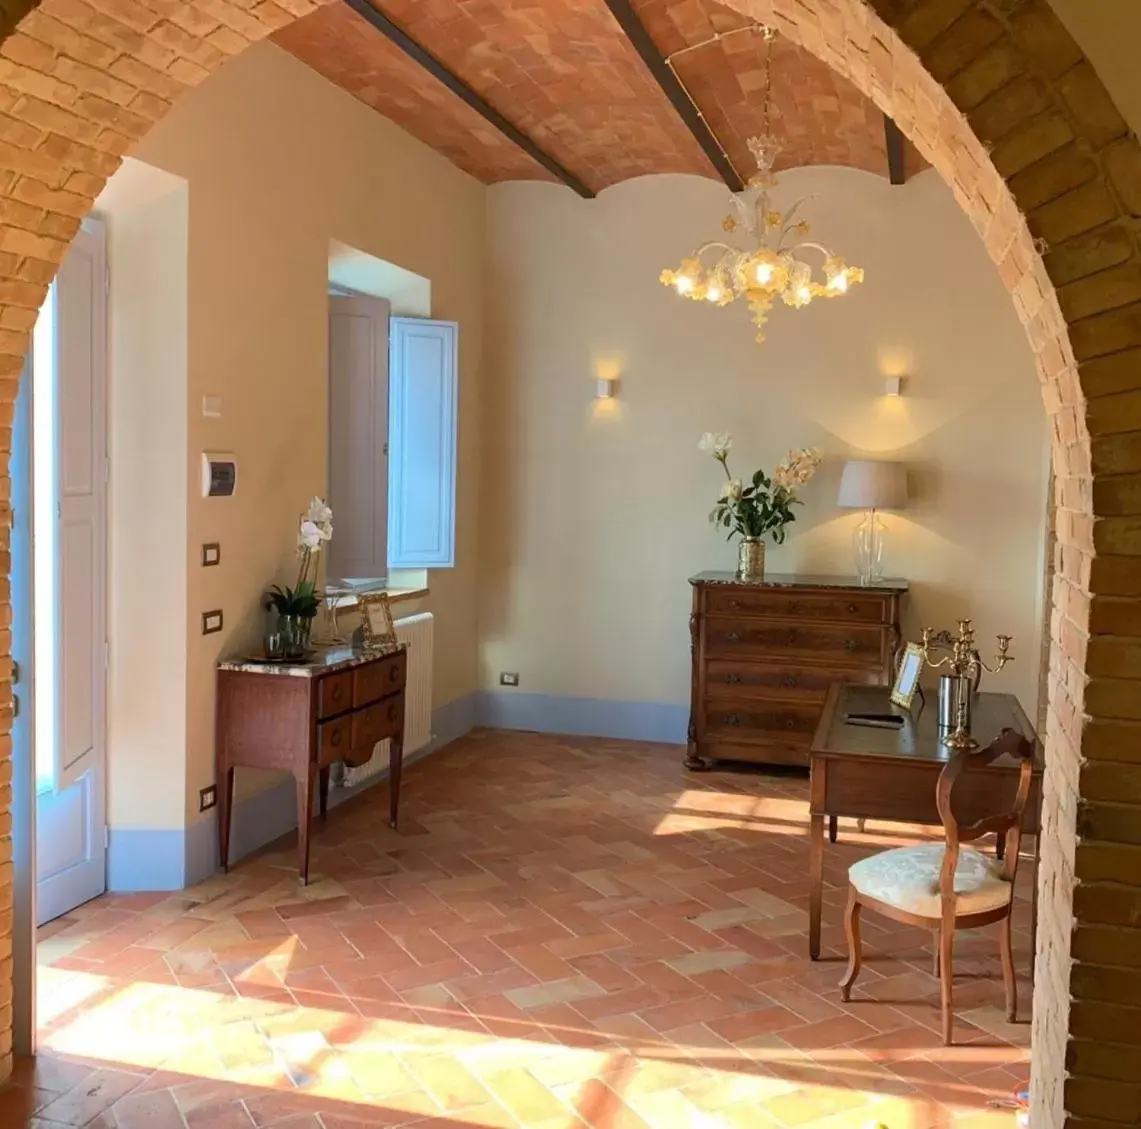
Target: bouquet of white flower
x=764, y=507
x=302, y=600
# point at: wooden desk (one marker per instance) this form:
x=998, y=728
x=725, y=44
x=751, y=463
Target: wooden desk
x=302, y=718
x=891, y=774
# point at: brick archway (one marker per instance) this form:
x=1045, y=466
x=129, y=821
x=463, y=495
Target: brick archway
x=998, y=97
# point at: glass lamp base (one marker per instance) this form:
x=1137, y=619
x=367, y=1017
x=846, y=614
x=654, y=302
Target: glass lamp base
x=868, y=542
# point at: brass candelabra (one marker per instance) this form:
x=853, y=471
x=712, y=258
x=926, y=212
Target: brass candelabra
x=965, y=665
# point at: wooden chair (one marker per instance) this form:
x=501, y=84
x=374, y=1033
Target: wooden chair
x=946, y=886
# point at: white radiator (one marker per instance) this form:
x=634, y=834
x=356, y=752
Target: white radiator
x=415, y=631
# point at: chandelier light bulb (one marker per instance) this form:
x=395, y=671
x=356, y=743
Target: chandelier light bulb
x=838, y=283
x=714, y=293
x=764, y=273
x=684, y=284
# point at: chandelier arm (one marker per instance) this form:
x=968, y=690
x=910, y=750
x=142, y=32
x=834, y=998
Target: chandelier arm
x=814, y=246
x=710, y=245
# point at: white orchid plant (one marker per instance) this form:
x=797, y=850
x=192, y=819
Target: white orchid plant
x=315, y=530
x=764, y=507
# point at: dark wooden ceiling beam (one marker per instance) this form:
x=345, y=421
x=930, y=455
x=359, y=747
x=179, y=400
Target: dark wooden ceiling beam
x=457, y=86
x=635, y=30
x=896, y=151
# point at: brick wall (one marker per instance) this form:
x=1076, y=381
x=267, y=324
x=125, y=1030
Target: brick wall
x=997, y=96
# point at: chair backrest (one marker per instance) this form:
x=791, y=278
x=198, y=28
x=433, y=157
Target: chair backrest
x=1009, y=743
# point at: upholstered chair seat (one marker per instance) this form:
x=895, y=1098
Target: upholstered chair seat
x=908, y=879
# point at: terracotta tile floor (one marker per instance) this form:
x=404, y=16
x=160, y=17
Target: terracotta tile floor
x=563, y=932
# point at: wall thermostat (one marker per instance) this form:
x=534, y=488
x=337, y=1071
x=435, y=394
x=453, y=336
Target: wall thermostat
x=219, y=475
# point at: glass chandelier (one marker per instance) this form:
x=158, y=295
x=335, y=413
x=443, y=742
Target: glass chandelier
x=772, y=267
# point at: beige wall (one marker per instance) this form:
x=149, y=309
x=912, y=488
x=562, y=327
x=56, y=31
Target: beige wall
x=279, y=162
x=591, y=524
x=146, y=213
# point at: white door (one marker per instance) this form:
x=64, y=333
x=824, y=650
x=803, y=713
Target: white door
x=358, y=434
x=69, y=584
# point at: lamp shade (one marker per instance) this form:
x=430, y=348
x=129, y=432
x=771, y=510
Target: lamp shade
x=869, y=485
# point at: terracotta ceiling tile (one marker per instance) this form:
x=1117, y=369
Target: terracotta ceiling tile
x=563, y=72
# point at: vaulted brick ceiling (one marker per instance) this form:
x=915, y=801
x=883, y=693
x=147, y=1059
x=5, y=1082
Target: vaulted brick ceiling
x=565, y=74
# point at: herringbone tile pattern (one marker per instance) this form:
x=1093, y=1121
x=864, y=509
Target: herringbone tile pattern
x=564, y=932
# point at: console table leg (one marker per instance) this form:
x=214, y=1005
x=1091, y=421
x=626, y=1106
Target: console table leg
x=395, y=767
x=225, y=814
x=323, y=794
x=833, y=828
x=304, y=819
x=816, y=878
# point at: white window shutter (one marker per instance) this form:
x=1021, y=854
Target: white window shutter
x=422, y=443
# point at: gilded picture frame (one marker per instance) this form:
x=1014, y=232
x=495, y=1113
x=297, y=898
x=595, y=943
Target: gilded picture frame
x=907, y=677
x=377, y=627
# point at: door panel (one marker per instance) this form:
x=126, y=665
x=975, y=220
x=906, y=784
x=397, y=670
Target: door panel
x=69, y=581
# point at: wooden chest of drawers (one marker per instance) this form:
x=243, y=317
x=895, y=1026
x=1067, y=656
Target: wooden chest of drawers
x=765, y=654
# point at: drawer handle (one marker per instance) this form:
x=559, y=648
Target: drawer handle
x=393, y=674
x=735, y=605
x=791, y=680
x=338, y=690
x=335, y=740
x=792, y=637
x=391, y=713
x=852, y=609
x=790, y=723
x=794, y=608
x=733, y=637
x=851, y=645
x=733, y=679
x=732, y=719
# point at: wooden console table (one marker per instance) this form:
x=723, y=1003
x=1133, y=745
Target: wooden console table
x=890, y=774
x=302, y=718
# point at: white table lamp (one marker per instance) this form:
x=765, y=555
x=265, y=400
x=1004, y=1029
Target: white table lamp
x=870, y=486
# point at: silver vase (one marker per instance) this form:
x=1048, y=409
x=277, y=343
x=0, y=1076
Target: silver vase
x=751, y=559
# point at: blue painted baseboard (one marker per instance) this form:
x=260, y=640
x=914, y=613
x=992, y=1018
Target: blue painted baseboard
x=583, y=717
x=157, y=859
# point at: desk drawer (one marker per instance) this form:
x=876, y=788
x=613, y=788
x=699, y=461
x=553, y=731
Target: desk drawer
x=777, y=681
x=334, y=740
x=904, y=791
x=376, y=722
x=374, y=681
x=849, y=607
x=846, y=645
x=335, y=694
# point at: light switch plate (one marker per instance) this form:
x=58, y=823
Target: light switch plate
x=207, y=797
x=211, y=554
x=212, y=407
x=212, y=622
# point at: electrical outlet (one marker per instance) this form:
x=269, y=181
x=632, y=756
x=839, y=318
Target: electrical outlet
x=207, y=797
x=508, y=678
x=211, y=554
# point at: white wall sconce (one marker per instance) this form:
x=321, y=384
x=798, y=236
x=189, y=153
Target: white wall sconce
x=606, y=388
x=893, y=386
